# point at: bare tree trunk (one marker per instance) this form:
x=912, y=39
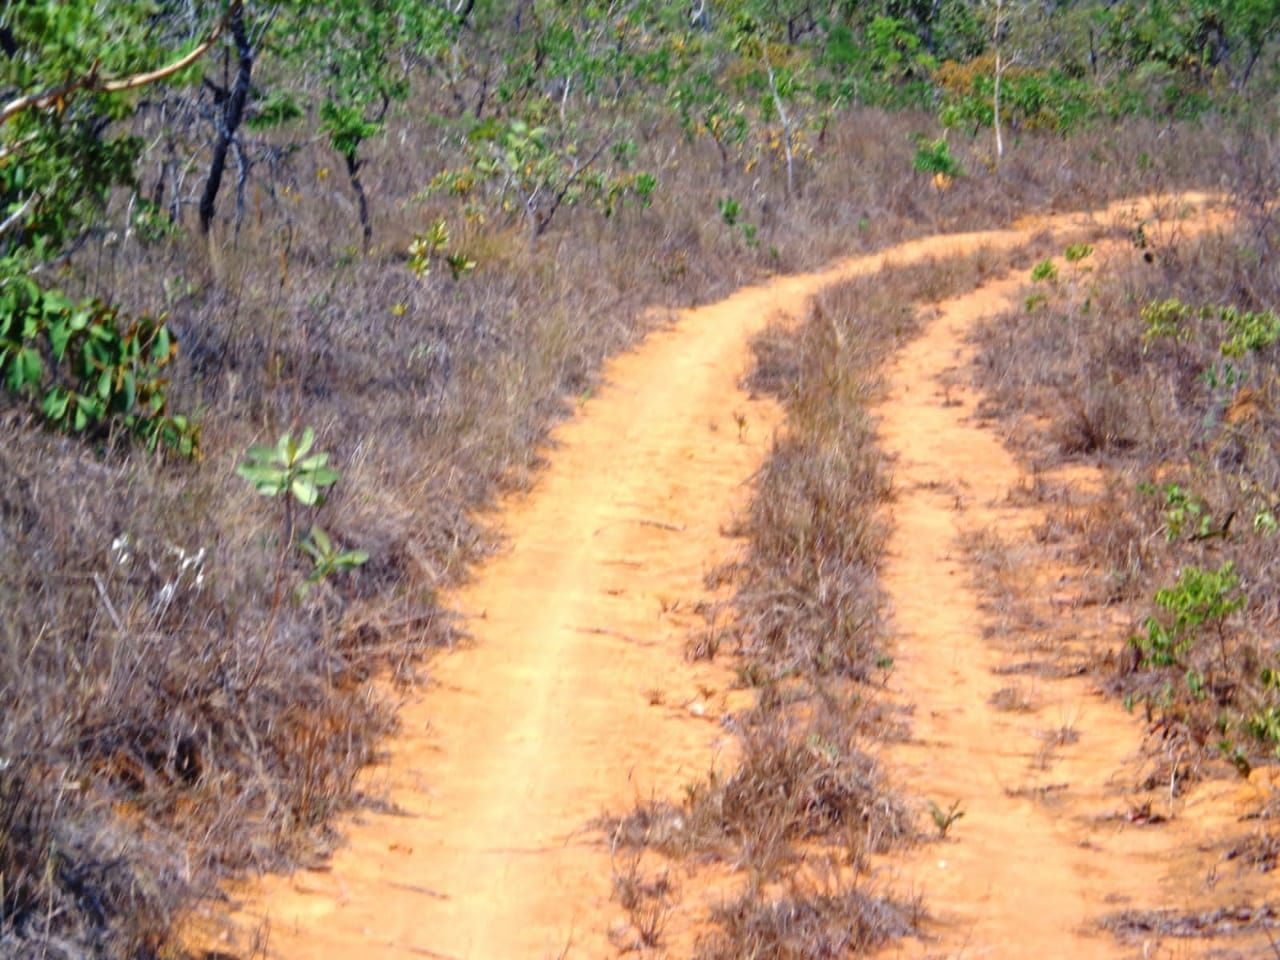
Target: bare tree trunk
x=999, y=78
x=232, y=115
x=786, y=128
x=362, y=202
x=999, y=134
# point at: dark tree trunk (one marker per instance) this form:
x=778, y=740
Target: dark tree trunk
x=362, y=202
x=232, y=114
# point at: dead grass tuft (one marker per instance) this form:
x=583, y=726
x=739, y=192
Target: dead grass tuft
x=807, y=926
x=1139, y=925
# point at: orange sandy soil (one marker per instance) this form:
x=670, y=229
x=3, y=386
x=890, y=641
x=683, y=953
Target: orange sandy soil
x=575, y=698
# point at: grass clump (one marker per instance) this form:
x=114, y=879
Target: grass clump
x=807, y=926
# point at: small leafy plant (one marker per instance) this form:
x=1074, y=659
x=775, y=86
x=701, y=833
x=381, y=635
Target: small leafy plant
x=1265, y=523
x=933, y=157
x=1248, y=332
x=291, y=471
x=1044, y=272
x=1184, y=513
x=433, y=245
x=1199, y=597
x=1076, y=252
x=731, y=214
x=1166, y=319
x=327, y=559
x=1226, y=377
x=944, y=820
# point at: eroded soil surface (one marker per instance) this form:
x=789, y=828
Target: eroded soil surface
x=574, y=695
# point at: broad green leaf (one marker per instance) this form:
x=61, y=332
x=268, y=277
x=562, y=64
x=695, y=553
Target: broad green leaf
x=29, y=368
x=308, y=441
x=267, y=480
x=59, y=336
x=324, y=477
x=161, y=346
x=311, y=463
x=56, y=403
x=305, y=492
x=128, y=390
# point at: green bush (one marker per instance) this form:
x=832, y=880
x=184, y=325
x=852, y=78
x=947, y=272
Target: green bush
x=86, y=367
x=1199, y=597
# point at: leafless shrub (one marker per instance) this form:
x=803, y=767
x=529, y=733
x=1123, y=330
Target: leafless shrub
x=647, y=900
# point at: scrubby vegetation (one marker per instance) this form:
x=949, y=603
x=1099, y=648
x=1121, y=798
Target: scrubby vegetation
x=1162, y=370
x=406, y=231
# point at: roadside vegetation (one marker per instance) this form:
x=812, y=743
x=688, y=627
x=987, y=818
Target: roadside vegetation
x=1161, y=370
x=289, y=292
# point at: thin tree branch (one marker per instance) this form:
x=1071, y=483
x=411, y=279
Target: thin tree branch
x=92, y=82
x=18, y=215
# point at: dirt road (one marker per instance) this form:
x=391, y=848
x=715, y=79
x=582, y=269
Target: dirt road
x=575, y=696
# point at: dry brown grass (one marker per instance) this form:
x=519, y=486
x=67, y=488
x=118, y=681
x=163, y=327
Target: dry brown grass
x=808, y=926
x=168, y=724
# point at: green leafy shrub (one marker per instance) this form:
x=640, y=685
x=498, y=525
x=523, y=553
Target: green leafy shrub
x=731, y=214
x=1044, y=272
x=1166, y=319
x=536, y=170
x=86, y=366
x=730, y=210
x=433, y=245
x=1199, y=597
x=934, y=158
x=1248, y=332
x=1184, y=511
x=326, y=558
x=1031, y=99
